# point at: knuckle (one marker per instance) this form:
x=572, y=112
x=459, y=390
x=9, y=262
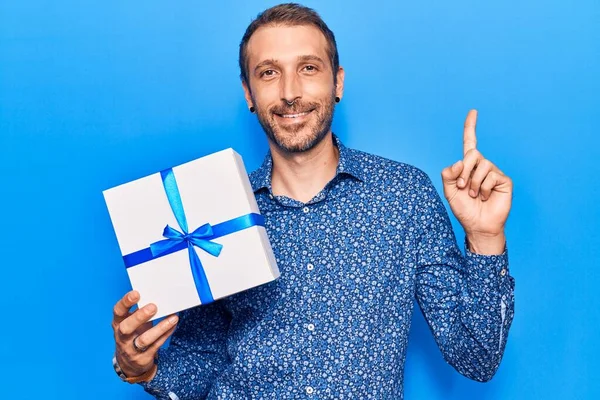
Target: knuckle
x=473, y=153
x=164, y=325
x=123, y=330
x=117, y=310
x=167, y=326
x=141, y=315
x=485, y=164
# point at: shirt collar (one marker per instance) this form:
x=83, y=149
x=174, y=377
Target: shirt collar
x=348, y=164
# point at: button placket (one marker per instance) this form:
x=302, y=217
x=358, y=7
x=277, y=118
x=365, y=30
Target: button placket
x=309, y=276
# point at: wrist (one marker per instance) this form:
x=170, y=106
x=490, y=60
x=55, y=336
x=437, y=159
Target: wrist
x=486, y=244
x=135, y=377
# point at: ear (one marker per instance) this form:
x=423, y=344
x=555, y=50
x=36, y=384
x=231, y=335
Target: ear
x=247, y=94
x=339, y=88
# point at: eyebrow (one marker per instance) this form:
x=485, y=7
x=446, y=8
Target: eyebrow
x=311, y=58
x=265, y=63
x=272, y=61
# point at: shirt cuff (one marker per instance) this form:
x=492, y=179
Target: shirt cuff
x=487, y=266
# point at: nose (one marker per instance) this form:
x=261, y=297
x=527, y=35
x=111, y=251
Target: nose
x=291, y=88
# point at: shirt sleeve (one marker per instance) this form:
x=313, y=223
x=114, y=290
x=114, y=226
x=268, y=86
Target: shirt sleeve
x=196, y=355
x=467, y=301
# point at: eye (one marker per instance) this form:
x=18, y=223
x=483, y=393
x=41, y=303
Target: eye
x=267, y=73
x=310, y=68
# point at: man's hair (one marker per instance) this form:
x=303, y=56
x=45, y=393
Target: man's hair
x=288, y=14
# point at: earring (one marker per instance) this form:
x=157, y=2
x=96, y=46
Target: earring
x=252, y=109
x=337, y=99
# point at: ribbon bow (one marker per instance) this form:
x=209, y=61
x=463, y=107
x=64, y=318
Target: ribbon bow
x=197, y=238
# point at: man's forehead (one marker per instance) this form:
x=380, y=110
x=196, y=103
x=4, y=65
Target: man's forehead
x=285, y=43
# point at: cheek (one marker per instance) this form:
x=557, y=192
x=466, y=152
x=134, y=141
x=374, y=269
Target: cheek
x=317, y=89
x=266, y=95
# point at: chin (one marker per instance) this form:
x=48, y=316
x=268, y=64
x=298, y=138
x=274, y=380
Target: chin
x=299, y=141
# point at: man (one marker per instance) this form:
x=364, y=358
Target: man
x=356, y=237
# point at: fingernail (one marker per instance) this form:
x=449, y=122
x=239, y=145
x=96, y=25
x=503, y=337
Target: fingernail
x=132, y=296
x=173, y=319
x=472, y=193
x=456, y=164
x=151, y=308
x=461, y=182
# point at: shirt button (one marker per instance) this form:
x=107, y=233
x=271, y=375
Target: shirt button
x=311, y=327
x=271, y=196
x=503, y=272
x=310, y=267
x=309, y=390
x=305, y=209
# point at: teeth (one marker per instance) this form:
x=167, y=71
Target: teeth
x=295, y=115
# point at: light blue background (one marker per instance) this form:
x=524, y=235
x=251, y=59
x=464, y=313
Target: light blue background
x=97, y=93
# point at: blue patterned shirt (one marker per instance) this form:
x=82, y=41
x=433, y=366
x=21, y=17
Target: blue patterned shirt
x=335, y=324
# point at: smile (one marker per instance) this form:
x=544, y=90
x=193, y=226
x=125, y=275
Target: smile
x=295, y=115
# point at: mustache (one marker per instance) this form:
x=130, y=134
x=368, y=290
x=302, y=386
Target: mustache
x=297, y=107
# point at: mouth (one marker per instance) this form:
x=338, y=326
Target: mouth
x=294, y=116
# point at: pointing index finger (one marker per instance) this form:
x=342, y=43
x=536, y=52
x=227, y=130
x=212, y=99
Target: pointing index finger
x=469, y=138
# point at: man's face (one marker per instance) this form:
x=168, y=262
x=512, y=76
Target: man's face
x=291, y=63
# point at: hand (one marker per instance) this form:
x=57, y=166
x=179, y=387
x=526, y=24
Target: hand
x=136, y=326
x=479, y=194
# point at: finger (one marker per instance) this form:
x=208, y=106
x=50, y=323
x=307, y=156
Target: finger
x=484, y=167
x=495, y=181
x=470, y=161
x=161, y=340
x=121, y=309
x=151, y=337
x=450, y=174
x=135, y=320
x=469, y=138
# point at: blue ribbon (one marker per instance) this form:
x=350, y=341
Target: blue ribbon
x=201, y=237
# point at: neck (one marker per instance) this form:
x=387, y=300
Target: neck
x=301, y=176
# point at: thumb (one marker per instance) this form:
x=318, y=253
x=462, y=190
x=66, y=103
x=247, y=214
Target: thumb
x=450, y=174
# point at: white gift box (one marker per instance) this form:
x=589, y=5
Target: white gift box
x=213, y=189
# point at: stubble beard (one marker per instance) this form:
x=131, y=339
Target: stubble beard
x=301, y=137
